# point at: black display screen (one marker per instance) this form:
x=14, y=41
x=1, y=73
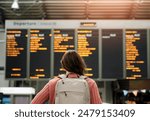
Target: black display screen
x=112, y=53
x=88, y=47
x=136, y=53
x=16, y=53
x=40, y=53
x=64, y=39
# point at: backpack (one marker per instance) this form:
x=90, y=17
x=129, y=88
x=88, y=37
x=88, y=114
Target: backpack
x=72, y=91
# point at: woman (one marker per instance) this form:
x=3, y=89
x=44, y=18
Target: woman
x=75, y=67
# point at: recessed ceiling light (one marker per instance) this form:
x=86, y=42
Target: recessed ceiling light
x=15, y=5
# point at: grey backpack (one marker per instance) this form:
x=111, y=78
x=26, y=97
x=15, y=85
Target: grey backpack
x=72, y=91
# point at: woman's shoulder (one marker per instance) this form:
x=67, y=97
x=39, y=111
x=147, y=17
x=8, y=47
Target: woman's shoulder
x=90, y=80
x=53, y=81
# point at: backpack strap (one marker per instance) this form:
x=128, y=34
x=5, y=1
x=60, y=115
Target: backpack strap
x=83, y=77
x=62, y=76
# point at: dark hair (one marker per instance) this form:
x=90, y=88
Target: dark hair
x=71, y=61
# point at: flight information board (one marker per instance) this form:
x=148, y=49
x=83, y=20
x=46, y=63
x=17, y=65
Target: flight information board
x=16, y=53
x=64, y=39
x=88, y=48
x=136, y=53
x=112, y=53
x=40, y=43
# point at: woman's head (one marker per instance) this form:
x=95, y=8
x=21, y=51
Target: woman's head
x=72, y=62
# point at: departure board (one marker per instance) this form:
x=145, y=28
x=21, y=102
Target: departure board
x=40, y=43
x=136, y=53
x=64, y=39
x=88, y=49
x=16, y=53
x=112, y=53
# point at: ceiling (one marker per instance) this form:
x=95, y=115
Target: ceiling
x=75, y=9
